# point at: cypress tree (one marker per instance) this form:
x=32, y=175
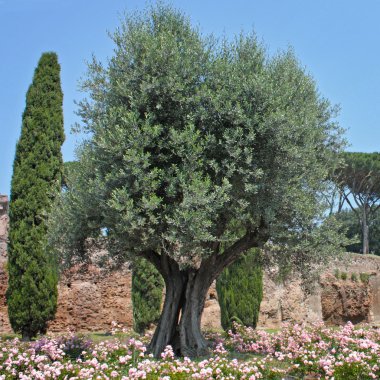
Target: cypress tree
x=36, y=180
x=240, y=291
x=147, y=286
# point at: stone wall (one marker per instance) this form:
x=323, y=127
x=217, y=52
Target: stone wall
x=344, y=301
x=333, y=300
x=353, y=299
x=4, y=322
x=91, y=298
x=3, y=226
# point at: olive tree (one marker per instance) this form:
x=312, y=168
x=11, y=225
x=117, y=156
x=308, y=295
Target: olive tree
x=198, y=151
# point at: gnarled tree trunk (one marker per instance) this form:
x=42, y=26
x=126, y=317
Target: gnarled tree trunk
x=365, y=230
x=180, y=321
x=186, y=290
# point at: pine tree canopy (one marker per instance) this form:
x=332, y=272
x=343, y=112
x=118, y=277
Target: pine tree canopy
x=358, y=181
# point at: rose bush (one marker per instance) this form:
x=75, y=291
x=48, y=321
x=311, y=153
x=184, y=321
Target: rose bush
x=294, y=352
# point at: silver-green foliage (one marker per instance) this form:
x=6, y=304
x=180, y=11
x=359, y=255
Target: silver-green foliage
x=190, y=136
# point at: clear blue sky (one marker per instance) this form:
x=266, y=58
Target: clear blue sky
x=338, y=42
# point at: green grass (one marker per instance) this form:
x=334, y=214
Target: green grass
x=9, y=336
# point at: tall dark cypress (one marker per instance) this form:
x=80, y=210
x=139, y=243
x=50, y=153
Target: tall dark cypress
x=37, y=178
x=147, y=288
x=240, y=290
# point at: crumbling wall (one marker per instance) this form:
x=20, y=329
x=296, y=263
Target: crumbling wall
x=287, y=302
x=3, y=227
x=346, y=300
x=91, y=298
x=4, y=321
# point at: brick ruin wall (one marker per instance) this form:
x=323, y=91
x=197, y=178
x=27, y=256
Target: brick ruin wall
x=333, y=300
x=91, y=298
x=4, y=322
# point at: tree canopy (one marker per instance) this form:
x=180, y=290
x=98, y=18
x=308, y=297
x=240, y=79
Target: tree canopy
x=36, y=180
x=198, y=151
x=349, y=219
x=359, y=175
x=358, y=179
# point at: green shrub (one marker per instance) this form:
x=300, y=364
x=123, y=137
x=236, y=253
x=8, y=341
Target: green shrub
x=337, y=274
x=354, y=277
x=364, y=277
x=147, y=286
x=74, y=345
x=343, y=275
x=350, y=371
x=240, y=290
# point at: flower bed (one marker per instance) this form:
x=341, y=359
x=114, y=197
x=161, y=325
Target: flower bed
x=295, y=352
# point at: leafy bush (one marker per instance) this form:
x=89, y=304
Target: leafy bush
x=343, y=275
x=354, y=277
x=364, y=277
x=74, y=345
x=350, y=371
x=293, y=352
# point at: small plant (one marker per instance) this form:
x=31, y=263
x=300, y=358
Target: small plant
x=74, y=345
x=337, y=274
x=364, y=277
x=354, y=277
x=343, y=275
x=350, y=371
x=48, y=347
x=39, y=345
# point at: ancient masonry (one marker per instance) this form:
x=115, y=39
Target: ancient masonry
x=3, y=225
x=91, y=298
x=4, y=322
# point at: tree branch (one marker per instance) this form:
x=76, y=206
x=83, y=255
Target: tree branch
x=256, y=238
x=350, y=204
x=153, y=257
